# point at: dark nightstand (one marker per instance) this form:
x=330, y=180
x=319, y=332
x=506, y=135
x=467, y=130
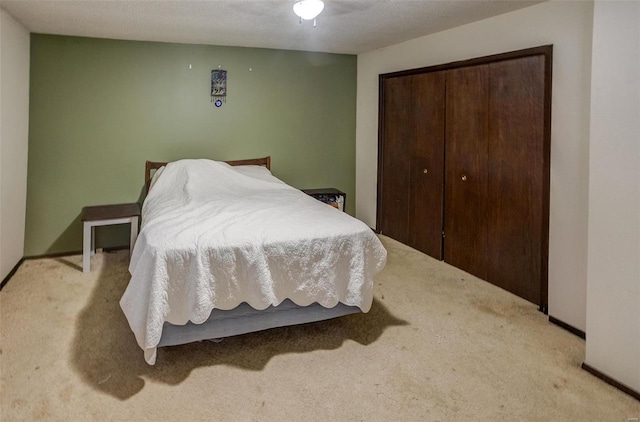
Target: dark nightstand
x=330, y=196
x=104, y=215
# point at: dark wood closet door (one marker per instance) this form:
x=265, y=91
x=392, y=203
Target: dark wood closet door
x=465, y=242
x=397, y=131
x=516, y=191
x=494, y=177
x=427, y=164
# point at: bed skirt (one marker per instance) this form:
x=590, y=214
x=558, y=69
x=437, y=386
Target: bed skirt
x=245, y=319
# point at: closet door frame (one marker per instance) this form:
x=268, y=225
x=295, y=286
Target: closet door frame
x=547, y=52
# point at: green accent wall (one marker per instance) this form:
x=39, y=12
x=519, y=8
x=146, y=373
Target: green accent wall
x=100, y=108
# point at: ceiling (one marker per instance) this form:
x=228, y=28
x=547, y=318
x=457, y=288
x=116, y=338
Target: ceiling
x=345, y=26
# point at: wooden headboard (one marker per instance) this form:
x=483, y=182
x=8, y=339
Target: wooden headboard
x=154, y=165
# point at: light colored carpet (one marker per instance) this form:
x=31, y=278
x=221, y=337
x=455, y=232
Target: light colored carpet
x=438, y=345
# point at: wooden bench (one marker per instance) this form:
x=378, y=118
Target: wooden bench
x=104, y=215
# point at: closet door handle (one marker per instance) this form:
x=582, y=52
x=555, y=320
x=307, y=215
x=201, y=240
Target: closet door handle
x=464, y=178
x=425, y=171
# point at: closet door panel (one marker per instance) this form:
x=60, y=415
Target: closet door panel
x=466, y=161
x=398, y=130
x=427, y=164
x=516, y=174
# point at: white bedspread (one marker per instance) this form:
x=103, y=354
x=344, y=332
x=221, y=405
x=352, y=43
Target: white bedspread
x=214, y=236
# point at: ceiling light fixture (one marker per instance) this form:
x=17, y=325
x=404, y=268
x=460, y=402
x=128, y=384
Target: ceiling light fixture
x=308, y=9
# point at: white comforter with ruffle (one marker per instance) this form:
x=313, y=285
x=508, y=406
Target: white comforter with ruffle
x=214, y=236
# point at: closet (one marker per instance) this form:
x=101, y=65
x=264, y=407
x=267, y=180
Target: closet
x=463, y=170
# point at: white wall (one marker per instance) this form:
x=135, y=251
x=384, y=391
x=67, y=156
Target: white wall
x=566, y=25
x=14, y=132
x=613, y=273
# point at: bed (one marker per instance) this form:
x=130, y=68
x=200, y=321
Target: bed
x=226, y=248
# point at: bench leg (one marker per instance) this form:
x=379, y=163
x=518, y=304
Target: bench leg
x=86, y=247
x=93, y=240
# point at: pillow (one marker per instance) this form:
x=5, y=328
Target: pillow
x=155, y=177
x=259, y=172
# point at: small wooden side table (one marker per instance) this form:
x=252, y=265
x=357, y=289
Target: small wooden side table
x=105, y=215
x=331, y=196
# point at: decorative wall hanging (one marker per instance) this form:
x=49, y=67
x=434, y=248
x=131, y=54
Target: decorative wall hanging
x=218, y=87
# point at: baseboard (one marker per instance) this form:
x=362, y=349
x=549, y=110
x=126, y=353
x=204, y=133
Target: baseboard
x=569, y=328
x=11, y=273
x=70, y=253
x=628, y=390
x=53, y=255
x=115, y=249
